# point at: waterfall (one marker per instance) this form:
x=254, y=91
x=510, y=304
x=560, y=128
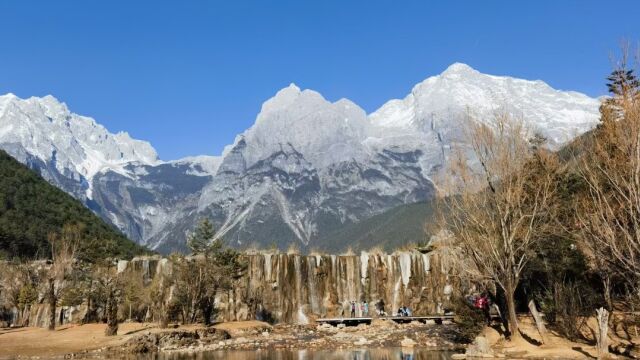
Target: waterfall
x=426, y=262
x=313, y=294
x=267, y=267
x=296, y=288
x=122, y=266
x=298, y=295
x=301, y=318
x=405, y=267
x=352, y=277
x=364, y=265
x=145, y=269
x=396, y=293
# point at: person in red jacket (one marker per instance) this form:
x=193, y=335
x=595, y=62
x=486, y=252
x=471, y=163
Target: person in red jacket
x=485, y=305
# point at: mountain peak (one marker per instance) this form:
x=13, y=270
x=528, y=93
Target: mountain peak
x=459, y=68
x=287, y=92
x=293, y=87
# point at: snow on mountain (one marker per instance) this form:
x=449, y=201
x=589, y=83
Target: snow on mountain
x=324, y=132
x=203, y=165
x=435, y=102
x=45, y=129
x=305, y=168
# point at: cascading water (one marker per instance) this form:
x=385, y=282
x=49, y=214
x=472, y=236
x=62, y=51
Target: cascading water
x=405, y=267
x=298, y=289
x=364, y=265
x=267, y=266
x=426, y=263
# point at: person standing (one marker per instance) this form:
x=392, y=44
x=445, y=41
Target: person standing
x=365, y=306
x=353, y=309
x=381, y=308
x=486, y=308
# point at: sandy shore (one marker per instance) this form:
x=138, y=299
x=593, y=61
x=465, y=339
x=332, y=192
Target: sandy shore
x=252, y=335
x=244, y=335
x=66, y=339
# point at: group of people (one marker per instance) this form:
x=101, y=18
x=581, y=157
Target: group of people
x=363, y=308
x=404, y=311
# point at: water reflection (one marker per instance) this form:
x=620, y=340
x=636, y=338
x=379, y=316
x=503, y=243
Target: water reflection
x=368, y=354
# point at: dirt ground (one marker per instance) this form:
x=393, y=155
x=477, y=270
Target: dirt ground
x=529, y=346
x=38, y=342
x=31, y=341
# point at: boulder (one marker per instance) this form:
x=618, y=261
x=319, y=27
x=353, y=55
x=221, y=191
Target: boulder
x=479, y=348
x=407, y=343
x=211, y=334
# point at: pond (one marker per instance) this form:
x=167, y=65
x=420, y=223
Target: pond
x=286, y=354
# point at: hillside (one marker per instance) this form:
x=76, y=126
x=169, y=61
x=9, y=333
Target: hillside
x=31, y=208
x=390, y=230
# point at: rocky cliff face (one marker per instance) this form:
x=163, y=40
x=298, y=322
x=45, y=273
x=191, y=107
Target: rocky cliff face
x=293, y=288
x=307, y=166
x=297, y=288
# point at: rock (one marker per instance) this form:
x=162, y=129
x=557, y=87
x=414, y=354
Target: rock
x=212, y=334
x=341, y=326
x=458, y=356
x=142, y=344
x=342, y=335
x=407, y=342
x=479, y=348
x=361, y=342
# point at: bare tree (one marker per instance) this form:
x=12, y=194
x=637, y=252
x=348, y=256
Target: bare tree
x=112, y=287
x=504, y=186
x=64, y=247
x=608, y=214
x=602, y=339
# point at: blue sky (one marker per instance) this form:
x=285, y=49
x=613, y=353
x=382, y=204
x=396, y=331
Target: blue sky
x=190, y=75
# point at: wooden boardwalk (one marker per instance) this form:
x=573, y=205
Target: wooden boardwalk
x=352, y=321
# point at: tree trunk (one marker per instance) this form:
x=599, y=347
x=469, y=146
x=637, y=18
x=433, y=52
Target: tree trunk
x=602, y=343
x=112, y=314
x=606, y=284
x=164, y=321
x=542, y=330
x=511, y=309
x=164, y=318
x=52, y=304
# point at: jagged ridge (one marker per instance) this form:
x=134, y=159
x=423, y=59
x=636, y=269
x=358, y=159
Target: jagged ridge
x=305, y=168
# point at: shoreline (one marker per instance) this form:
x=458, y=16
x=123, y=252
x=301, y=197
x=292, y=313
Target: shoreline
x=135, y=340
x=88, y=341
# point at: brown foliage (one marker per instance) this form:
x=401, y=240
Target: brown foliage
x=505, y=186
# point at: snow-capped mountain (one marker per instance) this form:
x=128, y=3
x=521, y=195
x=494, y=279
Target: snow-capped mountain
x=68, y=149
x=305, y=168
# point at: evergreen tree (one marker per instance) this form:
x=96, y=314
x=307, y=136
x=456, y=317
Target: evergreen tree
x=623, y=82
x=199, y=281
x=200, y=242
x=31, y=209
